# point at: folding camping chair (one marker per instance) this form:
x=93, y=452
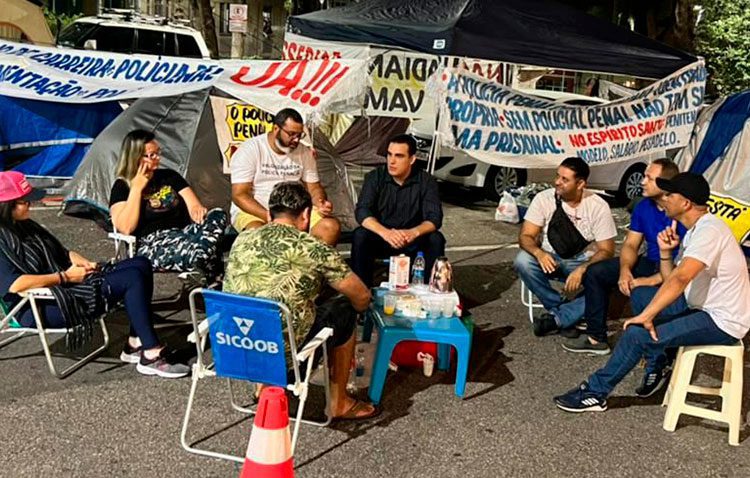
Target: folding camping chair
x=9, y=325
x=125, y=246
x=247, y=344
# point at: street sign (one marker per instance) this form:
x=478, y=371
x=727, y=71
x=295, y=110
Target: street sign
x=237, y=18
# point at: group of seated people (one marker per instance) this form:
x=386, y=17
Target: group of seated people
x=274, y=183
x=284, y=252
x=690, y=287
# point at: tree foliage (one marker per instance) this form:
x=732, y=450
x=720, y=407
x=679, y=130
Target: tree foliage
x=58, y=20
x=723, y=39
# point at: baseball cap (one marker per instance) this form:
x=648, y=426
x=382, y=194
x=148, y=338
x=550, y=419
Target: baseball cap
x=693, y=186
x=13, y=185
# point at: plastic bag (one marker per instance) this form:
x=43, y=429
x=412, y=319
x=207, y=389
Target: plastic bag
x=507, y=210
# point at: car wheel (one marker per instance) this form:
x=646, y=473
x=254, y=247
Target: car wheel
x=501, y=178
x=630, y=184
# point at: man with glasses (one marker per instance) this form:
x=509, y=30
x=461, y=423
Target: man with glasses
x=277, y=156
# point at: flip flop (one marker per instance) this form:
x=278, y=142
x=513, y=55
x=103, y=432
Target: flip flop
x=353, y=413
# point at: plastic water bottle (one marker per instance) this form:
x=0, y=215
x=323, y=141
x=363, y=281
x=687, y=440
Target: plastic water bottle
x=417, y=270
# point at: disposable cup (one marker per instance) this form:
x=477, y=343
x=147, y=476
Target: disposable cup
x=447, y=307
x=389, y=303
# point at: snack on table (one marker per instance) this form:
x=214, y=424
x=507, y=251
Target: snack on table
x=409, y=305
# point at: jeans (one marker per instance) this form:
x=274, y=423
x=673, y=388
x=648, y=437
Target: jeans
x=691, y=327
x=531, y=273
x=131, y=281
x=600, y=279
x=367, y=246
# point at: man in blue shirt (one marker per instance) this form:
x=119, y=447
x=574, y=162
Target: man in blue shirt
x=629, y=270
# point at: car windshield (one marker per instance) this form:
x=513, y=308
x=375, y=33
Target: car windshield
x=75, y=34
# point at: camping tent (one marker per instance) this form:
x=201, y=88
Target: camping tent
x=720, y=150
x=46, y=139
x=185, y=128
x=21, y=20
x=530, y=32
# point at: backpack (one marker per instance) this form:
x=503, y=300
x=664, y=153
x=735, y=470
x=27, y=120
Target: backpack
x=562, y=234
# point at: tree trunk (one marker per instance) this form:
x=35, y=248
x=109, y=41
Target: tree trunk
x=208, y=26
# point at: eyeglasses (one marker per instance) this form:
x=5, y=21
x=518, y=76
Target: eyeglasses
x=152, y=155
x=294, y=135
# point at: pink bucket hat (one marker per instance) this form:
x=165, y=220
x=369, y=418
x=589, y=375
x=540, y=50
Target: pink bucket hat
x=13, y=185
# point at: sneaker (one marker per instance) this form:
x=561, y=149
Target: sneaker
x=130, y=354
x=582, y=325
x=584, y=346
x=653, y=382
x=581, y=399
x=544, y=324
x=161, y=367
x=570, y=333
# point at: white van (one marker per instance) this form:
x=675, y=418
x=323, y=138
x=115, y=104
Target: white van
x=126, y=32
x=622, y=178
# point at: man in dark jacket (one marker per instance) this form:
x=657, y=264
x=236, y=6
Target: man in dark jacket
x=399, y=212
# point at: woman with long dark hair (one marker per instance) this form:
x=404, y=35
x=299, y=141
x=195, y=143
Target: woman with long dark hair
x=31, y=257
x=174, y=230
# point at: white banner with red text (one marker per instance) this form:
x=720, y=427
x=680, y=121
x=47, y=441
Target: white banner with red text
x=313, y=87
x=398, y=76
x=505, y=127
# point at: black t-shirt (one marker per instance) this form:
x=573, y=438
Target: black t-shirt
x=162, y=207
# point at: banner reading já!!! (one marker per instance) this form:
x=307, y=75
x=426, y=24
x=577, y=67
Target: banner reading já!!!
x=398, y=76
x=236, y=122
x=502, y=126
x=309, y=86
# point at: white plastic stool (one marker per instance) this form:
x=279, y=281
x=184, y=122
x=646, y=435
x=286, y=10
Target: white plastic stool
x=528, y=299
x=730, y=390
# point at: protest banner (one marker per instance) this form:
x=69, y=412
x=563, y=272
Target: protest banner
x=505, y=127
x=398, y=76
x=75, y=76
x=236, y=122
x=312, y=87
x=735, y=213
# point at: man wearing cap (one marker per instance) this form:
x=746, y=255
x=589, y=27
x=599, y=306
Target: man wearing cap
x=629, y=270
x=704, y=299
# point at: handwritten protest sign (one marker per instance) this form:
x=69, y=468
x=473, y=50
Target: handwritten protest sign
x=73, y=76
x=502, y=126
x=309, y=86
x=236, y=122
x=735, y=213
x=398, y=77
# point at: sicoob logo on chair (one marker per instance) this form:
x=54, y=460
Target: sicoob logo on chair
x=244, y=341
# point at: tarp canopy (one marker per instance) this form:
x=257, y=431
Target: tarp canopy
x=720, y=150
x=530, y=32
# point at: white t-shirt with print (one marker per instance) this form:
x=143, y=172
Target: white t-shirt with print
x=722, y=288
x=255, y=162
x=592, y=217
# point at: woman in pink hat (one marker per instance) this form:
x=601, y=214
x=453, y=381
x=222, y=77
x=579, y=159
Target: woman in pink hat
x=31, y=257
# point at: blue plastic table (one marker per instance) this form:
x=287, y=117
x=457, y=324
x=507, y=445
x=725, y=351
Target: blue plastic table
x=393, y=329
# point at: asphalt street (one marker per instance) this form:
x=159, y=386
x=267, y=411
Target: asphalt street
x=106, y=420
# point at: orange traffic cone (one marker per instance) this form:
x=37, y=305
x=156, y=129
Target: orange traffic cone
x=269, y=453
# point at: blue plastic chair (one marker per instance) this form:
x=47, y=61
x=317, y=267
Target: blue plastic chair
x=247, y=344
x=393, y=329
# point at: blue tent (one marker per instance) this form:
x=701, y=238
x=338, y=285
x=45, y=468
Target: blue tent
x=720, y=150
x=45, y=139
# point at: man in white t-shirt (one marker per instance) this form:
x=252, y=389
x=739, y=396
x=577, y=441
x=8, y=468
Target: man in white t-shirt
x=704, y=300
x=539, y=261
x=277, y=156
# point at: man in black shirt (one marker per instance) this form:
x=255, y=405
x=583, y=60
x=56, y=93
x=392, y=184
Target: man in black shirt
x=399, y=212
